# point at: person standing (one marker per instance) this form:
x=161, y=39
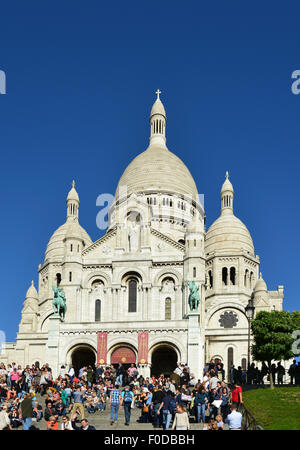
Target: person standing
x=181, y=419
x=127, y=397
x=165, y=408
x=99, y=372
x=280, y=372
x=27, y=411
x=156, y=402
x=292, y=371
x=78, y=402
x=71, y=372
x=236, y=395
x=114, y=403
x=120, y=375
x=234, y=419
x=201, y=400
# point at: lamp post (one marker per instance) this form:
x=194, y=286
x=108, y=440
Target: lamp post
x=249, y=311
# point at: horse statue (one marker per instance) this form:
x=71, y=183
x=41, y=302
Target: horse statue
x=59, y=302
x=194, y=297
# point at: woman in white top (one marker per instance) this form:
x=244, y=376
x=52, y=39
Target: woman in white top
x=181, y=419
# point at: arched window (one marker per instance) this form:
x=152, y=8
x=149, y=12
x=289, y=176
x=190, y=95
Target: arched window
x=246, y=278
x=194, y=272
x=181, y=241
x=225, y=276
x=244, y=364
x=58, y=278
x=229, y=362
x=71, y=247
x=232, y=275
x=97, y=310
x=70, y=276
x=210, y=279
x=168, y=304
x=132, y=295
x=251, y=280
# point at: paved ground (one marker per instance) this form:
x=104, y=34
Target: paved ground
x=101, y=421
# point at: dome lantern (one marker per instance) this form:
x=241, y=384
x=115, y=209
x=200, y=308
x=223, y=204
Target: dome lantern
x=227, y=196
x=72, y=203
x=158, y=122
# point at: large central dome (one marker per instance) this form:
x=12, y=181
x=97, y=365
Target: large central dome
x=157, y=169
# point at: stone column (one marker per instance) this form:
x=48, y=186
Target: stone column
x=52, y=346
x=195, y=345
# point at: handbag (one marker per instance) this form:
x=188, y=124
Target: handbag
x=146, y=409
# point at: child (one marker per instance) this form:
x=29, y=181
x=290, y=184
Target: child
x=181, y=419
x=219, y=419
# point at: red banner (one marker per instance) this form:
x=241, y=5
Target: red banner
x=143, y=347
x=101, y=347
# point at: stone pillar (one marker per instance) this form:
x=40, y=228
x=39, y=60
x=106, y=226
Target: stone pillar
x=195, y=345
x=52, y=347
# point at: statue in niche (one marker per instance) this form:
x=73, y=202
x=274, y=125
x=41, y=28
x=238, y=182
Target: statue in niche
x=168, y=286
x=133, y=236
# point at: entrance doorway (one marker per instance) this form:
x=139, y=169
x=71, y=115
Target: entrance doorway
x=83, y=356
x=164, y=361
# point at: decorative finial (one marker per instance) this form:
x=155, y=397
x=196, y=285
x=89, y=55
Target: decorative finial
x=260, y=275
x=32, y=284
x=157, y=93
x=227, y=175
x=73, y=184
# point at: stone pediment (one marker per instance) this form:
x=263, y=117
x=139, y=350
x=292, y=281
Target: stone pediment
x=102, y=248
x=28, y=309
x=161, y=244
x=260, y=301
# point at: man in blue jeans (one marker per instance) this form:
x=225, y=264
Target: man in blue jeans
x=127, y=397
x=114, y=403
x=27, y=411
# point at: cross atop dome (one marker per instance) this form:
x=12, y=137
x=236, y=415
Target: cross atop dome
x=157, y=93
x=227, y=175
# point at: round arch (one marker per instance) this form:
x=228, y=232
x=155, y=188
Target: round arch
x=219, y=307
x=119, y=345
x=90, y=277
x=128, y=270
x=168, y=273
x=164, y=358
x=42, y=319
x=82, y=355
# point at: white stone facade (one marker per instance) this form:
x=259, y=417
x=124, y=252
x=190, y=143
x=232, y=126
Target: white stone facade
x=155, y=241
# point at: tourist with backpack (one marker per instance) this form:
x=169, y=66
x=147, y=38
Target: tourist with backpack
x=127, y=397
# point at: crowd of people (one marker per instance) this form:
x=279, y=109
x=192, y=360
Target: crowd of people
x=30, y=395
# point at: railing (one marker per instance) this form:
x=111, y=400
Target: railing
x=248, y=420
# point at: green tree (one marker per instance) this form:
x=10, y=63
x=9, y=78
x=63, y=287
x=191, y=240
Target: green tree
x=272, y=334
x=296, y=336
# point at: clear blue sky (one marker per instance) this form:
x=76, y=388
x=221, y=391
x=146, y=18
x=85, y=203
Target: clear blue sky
x=81, y=78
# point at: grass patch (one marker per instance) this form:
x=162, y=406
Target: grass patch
x=275, y=409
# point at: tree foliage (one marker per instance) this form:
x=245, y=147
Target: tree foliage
x=272, y=334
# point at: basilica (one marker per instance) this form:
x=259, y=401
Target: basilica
x=127, y=297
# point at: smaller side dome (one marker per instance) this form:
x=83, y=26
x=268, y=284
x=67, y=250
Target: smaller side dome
x=260, y=285
x=32, y=292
